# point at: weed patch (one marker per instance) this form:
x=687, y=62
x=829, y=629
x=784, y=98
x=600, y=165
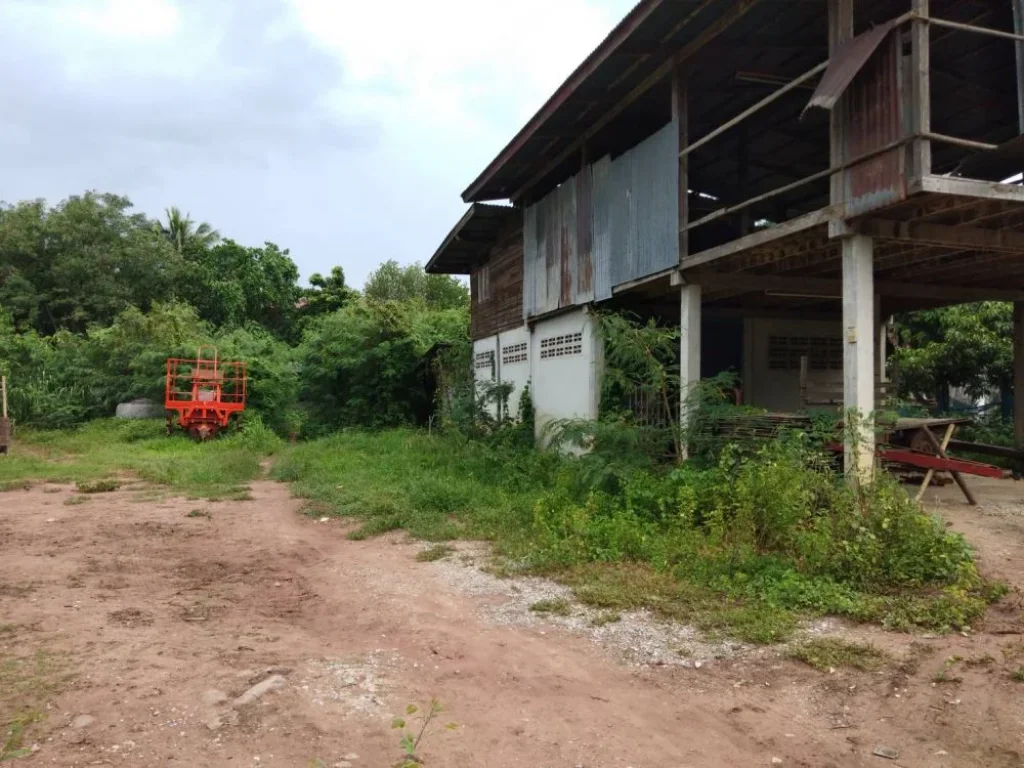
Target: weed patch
x=15, y=485
x=74, y=501
x=831, y=653
x=27, y=683
x=97, y=486
x=745, y=544
x=554, y=607
x=435, y=553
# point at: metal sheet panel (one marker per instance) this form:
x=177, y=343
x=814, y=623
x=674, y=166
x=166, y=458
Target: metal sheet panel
x=844, y=65
x=614, y=222
x=602, y=228
x=873, y=116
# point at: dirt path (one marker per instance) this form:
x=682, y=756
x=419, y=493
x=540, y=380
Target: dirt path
x=166, y=619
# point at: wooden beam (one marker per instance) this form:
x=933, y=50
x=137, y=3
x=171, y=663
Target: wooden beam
x=921, y=91
x=972, y=28
x=681, y=117
x=949, y=185
x=763, y=237
x=722, y=23
x=974, y=238
x=840, y=29
x=756, y=107
x=826, y=288
x=1018, y=27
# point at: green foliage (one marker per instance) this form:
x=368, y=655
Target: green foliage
x=435, y=553
x=184, y=234
x=967, y=346
x=411, y=284
x=363, y=365
x=412, y=738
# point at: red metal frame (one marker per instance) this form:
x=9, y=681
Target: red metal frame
x=204, y=392
x=929, y=461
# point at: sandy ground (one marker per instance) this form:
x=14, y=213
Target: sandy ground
x=167, y=621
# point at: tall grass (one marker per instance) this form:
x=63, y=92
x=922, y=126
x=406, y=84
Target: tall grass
x=745, y=547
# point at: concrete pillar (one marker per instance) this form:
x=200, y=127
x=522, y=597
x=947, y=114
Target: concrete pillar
x=859, y=355
x=1018, y=373
x=689, y=346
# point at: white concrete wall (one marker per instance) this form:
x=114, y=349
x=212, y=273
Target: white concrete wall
x=565, y=359
x=514, y=364
x=775, y=388
x=485, y=364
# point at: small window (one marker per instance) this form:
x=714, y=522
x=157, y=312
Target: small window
x=565, y=345
x=513, y=354
x=483, y=283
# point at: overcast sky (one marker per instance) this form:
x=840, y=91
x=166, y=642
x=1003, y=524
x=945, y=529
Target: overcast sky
x=342, y=129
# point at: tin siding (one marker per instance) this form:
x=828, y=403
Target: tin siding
x=874, y=119
x=615, y=222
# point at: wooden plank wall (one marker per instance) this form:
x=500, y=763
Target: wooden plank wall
x=501, y=309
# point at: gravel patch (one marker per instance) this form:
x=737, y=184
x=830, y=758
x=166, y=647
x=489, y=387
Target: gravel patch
x=355, y=685
x=638, y=638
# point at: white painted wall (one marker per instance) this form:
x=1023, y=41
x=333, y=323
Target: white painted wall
x=514, y=364
x=485, y=364
x=772, y=388
x=566, y=369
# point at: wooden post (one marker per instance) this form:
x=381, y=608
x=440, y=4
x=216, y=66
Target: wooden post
x=689, y=349
x=859, y=356
x=5, y=423
x=680, y=114
x=1018, y=374
x=921, y=95
x=1018, y=28
x=840, y=29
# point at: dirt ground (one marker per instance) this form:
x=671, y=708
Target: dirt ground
x=165, y=620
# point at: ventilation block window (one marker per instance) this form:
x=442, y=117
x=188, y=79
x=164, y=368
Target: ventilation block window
x=566, y=345
x=513, y=354
x=822, y=353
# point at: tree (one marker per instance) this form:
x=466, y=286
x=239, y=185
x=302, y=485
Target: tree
x=182, y=232
x=326, y=294
x=392, y=282
x=80, y=262
x=231, y=285
x=969, y=347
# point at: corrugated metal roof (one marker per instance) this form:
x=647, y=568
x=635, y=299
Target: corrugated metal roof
x=470, y=240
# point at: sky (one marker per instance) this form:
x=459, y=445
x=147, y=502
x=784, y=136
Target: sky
x=344, y=130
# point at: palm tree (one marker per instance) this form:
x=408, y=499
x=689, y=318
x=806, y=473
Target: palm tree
x=182, y=231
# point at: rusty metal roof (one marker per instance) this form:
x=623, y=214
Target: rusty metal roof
x=470, y=240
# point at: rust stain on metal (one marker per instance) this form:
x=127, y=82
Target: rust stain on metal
x=584, y=236
x=844, y=65
x=873, y=119
x=565, y=257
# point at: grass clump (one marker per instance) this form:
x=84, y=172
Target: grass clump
x=18, y=484
x=1017, y=675
x=832, y=653
x=435, y=553
x=558, y=606
x=197, y=513
x=74, y=501
x=605, y=618
x=97, y=486
x=27, y=683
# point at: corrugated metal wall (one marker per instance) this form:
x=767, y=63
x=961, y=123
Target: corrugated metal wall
x=614, y=222
x=873, y=120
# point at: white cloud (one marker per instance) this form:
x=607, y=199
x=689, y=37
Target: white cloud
x=461, y=67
